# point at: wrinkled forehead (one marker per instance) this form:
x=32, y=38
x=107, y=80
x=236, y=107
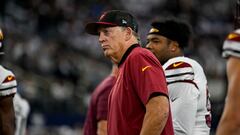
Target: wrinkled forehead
x=108, y=28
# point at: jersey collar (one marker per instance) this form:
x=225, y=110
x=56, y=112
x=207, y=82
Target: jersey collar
x=129, y=50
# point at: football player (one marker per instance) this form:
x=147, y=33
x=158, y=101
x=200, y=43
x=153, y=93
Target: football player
x=8, y=88
x=187, y=83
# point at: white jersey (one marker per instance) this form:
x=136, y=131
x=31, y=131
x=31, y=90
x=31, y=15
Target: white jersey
x=231, y=46
x=8, y=83
x=189, y=97
x=22, y=109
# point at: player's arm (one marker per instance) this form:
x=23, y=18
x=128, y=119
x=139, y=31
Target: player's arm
x=184, y=98
x=157, y=111
x=102, y=119
x=230, y=121
x=102, y=127
x=6, y=115
x=102, y=109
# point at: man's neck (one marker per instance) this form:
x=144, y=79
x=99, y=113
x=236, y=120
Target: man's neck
x=119, y=57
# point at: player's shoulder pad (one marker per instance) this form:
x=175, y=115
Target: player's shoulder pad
x=6, y=76
x=179, y=70
x=231, y=45
x=8, y=82
x=234, y=36
x=178, y=65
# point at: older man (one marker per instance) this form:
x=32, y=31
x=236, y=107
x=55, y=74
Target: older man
x=138, y=102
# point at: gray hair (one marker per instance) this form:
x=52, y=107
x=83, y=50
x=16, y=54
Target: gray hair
x=135, y=34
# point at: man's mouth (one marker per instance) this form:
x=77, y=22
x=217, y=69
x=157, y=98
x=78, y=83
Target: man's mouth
x=105, y=47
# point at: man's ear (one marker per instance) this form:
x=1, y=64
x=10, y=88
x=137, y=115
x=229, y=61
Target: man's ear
x=174, y=46
x=128, y=33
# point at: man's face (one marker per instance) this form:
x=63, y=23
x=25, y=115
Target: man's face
x=159, y=46
x=112, y=40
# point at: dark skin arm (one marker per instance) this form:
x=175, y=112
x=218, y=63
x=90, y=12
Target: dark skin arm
x=6, y=115
x=230, y=120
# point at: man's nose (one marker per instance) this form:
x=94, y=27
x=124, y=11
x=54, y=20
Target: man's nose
x=101, y=37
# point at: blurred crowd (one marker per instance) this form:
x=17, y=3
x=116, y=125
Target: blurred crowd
x=58, y=65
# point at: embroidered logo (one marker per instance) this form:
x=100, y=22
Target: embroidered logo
x=145, y=68
x=177, y=64
x=124, y=21
x=153, y=30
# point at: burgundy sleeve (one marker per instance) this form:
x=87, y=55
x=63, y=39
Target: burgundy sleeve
x=147, y=76
x=102, y=102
